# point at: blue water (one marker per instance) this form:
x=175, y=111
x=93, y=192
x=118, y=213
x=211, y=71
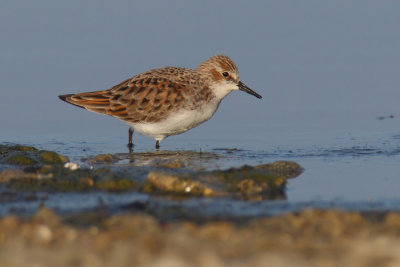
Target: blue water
x=352, y=169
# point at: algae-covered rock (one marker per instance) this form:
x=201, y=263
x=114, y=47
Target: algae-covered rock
x=265, y=181
x=108, y=180
x=165, y=172
x=50, y=157
x=176, y=184
x=287, y=169
x=249, y=187
x=4, y=149
x=251, y=181
x=103, y=158
x=20, y=159
x=25, y=156
x=57, y=178
x=49, y=178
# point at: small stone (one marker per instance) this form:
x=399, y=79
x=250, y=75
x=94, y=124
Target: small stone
x=44, y=233
x=73, y=166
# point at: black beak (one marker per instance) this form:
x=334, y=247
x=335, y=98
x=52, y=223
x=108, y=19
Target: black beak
x=246, y=89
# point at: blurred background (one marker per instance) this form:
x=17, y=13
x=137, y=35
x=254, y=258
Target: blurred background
x=320, y=65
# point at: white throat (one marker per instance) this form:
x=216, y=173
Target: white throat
x=222, y=89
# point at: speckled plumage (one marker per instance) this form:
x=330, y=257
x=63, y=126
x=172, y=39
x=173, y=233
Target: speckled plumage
x=166, y=101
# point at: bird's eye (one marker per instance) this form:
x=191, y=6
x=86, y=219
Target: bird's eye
x=225, y=74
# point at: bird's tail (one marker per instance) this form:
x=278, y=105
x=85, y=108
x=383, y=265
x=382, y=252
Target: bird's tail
x=99, y=102
x=67, y=98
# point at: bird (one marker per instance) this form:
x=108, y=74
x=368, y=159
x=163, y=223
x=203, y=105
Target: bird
x=166, y=101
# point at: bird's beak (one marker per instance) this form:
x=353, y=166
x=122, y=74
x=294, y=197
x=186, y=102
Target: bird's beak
x=246, y=89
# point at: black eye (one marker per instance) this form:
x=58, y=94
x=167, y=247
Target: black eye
x=225, y=74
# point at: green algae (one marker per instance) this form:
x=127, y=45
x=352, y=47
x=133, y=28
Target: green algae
x=20, y=159
x=45, y=169
x=50, y=157
x=26, y=155
x=64, y=180
x=108, y=180
x=4, y=149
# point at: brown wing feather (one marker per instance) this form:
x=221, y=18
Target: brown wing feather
x=146, y=99
x=93, y=101
x=149, y=99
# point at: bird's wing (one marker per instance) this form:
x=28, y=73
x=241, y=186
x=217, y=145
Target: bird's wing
x=138, y=100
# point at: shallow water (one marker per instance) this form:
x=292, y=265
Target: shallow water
x=352, y=169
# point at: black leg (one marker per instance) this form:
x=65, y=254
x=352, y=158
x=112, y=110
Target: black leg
x=157, y=144
x=130, y=144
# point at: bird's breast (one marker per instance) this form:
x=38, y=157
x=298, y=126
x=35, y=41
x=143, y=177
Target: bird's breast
x=177, y=122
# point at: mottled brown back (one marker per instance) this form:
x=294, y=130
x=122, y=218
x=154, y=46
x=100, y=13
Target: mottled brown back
x=147, y=97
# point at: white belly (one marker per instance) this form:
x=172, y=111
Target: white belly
x=178, y=122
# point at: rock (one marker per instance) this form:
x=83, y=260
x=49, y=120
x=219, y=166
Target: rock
x=265, y=181
x=108, y=180
x=4, y=149
x=115, y=185
x=249, y=188
x=287, y=169
x=178, y=185
x=50, y=157
x=20, y=159
x=103, y=158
